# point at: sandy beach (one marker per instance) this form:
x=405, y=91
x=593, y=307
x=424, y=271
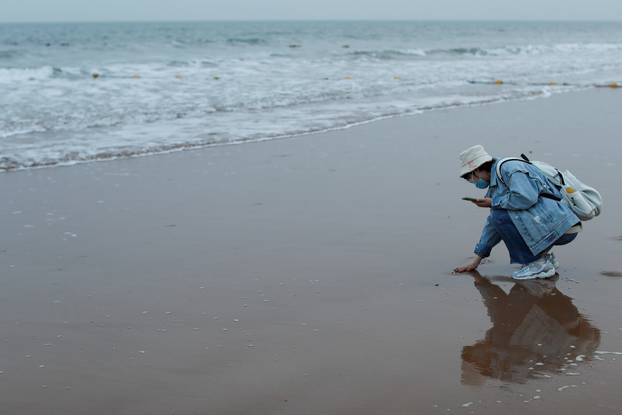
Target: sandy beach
x=311, y=275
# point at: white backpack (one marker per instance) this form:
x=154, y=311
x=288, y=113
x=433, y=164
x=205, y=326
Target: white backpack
x=585, y=201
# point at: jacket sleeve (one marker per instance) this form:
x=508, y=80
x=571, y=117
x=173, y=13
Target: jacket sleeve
x=488, y=240
x=523, y=192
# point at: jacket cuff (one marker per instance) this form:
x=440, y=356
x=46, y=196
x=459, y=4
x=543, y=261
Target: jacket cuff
x=498, y=202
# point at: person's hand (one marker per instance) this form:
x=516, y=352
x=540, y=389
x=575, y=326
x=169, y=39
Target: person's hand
x=471, y=266
x=484, y=203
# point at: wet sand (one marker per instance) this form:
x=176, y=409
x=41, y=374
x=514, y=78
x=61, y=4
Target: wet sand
x=310, y=276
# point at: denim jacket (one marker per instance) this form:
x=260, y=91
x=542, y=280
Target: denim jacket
x=539, y=220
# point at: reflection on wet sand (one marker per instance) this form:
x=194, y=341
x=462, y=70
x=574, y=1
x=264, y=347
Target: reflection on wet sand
x=535, y=329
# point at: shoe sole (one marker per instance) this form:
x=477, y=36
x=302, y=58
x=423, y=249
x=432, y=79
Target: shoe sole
x=540, y=275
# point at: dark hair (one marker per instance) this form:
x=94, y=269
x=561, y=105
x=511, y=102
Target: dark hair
x=486, y=167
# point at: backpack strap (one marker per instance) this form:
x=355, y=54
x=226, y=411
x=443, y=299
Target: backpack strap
x=522, y=158
x=559, y=175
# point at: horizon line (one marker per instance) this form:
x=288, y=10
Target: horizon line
x=312, y=20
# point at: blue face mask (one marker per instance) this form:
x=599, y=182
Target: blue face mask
x=481, y=183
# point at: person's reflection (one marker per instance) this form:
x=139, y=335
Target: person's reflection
x=535, y=329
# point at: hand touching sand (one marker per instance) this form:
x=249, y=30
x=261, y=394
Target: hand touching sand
x=471, y=266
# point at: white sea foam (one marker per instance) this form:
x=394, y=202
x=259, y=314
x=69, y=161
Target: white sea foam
x=73, y=99
x=10, y=75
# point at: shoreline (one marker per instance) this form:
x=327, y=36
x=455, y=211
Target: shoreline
x=415, y=112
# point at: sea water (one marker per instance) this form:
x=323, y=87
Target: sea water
x=80, y=92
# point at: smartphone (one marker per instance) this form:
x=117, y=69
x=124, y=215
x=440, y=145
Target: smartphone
x=470, y=199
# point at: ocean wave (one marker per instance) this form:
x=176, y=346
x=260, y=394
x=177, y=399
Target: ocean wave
x=559, y=48
x=191, y=63
x=118, y=71
x=10, y=54
x=70, y=156
x=474, y=51
x=124, y=91
x=530, y=49
x=42, y=73
x=387, y=54
x=390, y=54
x=25, y=74
x=246, y=41
x=7, y=131
x=178, y=64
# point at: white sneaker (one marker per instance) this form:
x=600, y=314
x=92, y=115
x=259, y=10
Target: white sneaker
x=540, y=268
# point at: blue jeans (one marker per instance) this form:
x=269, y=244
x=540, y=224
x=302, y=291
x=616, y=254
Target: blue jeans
x=519, y=252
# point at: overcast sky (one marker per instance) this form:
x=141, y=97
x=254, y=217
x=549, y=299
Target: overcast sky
x=113, y=10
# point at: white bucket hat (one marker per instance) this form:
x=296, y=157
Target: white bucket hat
x=472, y=158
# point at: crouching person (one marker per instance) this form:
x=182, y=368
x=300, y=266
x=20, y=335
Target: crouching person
x=526, y=213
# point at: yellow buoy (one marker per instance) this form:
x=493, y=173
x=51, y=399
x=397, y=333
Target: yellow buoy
x=552, y=83
x=614, y=85
x=498, y=82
